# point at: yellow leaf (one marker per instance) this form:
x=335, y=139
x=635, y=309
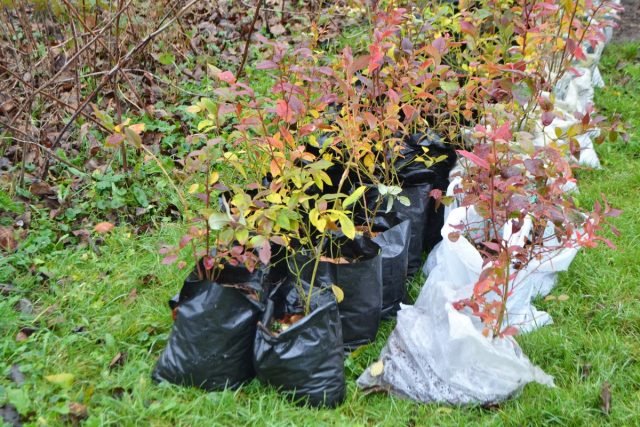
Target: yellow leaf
x=338, y=293
x=563, y=297
x=194, y=188
x=274, y=198
x=313, y=141
x=214, y=177
x=314, y=113
x=64, y=380
x=347, y=226
x=377, y=368
x=137, y=128
x=193, y=109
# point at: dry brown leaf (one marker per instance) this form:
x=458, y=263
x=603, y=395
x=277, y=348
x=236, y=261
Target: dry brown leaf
x=78, y=410
x=277, y=30
x=7, y=241
x=131, y=297
x=103, y=227
x=605, y=397
x=118, y=360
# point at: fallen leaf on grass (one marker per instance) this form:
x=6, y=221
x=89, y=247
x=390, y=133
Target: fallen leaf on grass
x=9, y=414
x=7, y=290
x=118, y=360
x=131, y=297
x=78, y=411
x=605, y=397
x=585, y=371
x=103, y=227
x=25, y=306
x=7, y=241
x=563, y=297
x=24, y=334
x=16, y=375
x=377, y=368
x=64, y=380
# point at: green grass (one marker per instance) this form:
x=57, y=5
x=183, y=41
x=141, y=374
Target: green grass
x=84, y=315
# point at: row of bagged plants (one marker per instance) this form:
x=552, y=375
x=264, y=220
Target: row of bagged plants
x=247, y=324
x=299, y=267
x=441, y=349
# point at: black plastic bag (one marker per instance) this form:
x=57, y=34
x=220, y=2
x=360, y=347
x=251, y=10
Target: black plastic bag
x=304, y=361
x=360, y=280
x=416, y=213
x=210, y=345
x=413, y=173
x=393, y=238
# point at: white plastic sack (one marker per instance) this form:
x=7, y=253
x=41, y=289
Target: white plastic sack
x=543, y=135
x=439, y=354
x=574, y=93
x=460, y=263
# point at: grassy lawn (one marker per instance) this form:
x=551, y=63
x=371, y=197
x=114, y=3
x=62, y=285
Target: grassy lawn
x=87, y=309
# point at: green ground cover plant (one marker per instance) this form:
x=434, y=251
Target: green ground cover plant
x=93, y=326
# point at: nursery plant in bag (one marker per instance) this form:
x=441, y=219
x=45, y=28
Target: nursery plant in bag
x=301, y=355
x=210, y=345
x=355, y=267
x=393, y=236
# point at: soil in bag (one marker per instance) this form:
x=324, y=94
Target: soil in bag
x=302, y=356
x=355, y=266
x=210, y=345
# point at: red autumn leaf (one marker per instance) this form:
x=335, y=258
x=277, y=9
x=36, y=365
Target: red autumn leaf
x=265, y=253
x=208, y=262
x=284, y=111
x=375, y=57
x=547, y=118
x=227, y=77
x=475, y=159
x=503, y=133
x=185, y=239
x=510, y=331
x=467, y=28
x=372, y=121
x=169, y=259
x=115, y=139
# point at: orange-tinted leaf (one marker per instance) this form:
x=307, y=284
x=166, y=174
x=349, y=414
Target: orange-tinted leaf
x=103, y=227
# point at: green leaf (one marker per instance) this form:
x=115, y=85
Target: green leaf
x=404, y=200
x=210, y=106
x=19, y=399
x=140, y=196
x=353, y=197
x=166, y=58
x=217, y=221
x=451, y=87
x=320, y=164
